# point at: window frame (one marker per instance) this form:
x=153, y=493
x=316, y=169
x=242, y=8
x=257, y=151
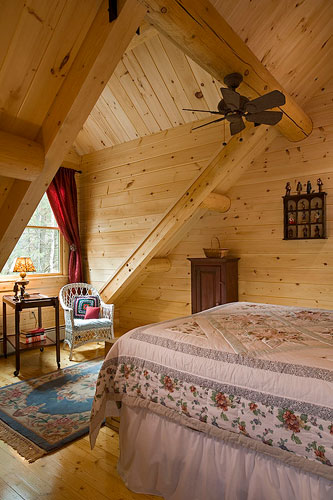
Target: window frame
x=63, y=258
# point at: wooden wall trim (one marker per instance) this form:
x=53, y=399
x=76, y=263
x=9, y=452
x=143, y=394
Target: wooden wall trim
x=141, y=148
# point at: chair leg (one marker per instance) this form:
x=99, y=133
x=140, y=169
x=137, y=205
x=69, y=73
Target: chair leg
x=71, y=353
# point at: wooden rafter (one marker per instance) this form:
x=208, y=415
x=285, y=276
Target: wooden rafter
x=197, y=28
x=146, y=33
x=226, y=167
x=19, y=157
x=11, y=205
x=94, y=64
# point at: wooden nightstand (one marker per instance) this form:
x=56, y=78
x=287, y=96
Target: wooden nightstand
x=34, y=301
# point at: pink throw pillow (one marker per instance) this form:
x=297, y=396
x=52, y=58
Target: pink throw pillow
x=92, y=313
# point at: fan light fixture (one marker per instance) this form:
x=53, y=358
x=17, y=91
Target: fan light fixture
x=234, y=107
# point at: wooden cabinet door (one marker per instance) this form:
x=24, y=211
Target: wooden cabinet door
x=207, y=289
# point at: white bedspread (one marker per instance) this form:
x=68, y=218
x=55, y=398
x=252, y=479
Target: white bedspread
x=255, y=374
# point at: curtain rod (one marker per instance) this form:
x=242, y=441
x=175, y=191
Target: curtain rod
x=76, y=171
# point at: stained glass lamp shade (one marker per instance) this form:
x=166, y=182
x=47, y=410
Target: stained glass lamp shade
x=23, y=265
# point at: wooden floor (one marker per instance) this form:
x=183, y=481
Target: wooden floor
x=73, y=472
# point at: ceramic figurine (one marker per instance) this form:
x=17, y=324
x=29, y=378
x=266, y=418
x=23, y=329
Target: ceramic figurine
x=303, y=216
x=305, y=232
x=291, y=219
x=317, y=232
x=317, y=205
x=15, y=290
x=317, y=216
x=290, y=233
x=299, y=187
x=320, y=184
x=288, y=189
x=303, y=205
x=308, y=187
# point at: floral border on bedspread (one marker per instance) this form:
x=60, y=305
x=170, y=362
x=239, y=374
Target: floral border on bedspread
x=290, y=425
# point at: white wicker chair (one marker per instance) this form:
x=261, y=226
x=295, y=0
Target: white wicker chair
x=78, y=331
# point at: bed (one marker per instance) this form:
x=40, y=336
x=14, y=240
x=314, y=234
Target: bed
x=231, y=403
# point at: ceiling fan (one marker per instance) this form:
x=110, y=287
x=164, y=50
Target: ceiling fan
x=234, y=106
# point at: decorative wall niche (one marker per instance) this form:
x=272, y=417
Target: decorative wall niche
x=305, y=216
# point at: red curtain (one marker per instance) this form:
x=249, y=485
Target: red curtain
x=62, y=196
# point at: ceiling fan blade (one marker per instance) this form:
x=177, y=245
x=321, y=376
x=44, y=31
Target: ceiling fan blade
x=265, y=117
x=202, y=111
x=267, y=101
x=214, y=121
x=231, y=98
x=237, y=126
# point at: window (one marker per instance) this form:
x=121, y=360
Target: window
x=40, y=241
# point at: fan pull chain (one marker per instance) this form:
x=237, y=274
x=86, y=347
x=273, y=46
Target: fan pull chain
x=241, y=138
x=224, y=143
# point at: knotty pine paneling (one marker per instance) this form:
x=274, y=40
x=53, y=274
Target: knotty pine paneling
x=271, y=270
x=155, y=80
x=38, y=44
x=125, y=190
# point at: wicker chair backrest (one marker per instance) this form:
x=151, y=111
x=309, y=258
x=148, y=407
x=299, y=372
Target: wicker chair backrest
x=69, y=292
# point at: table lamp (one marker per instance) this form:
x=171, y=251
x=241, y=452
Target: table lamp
x=23, y=265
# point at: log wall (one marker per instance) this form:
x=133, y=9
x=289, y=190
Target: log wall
x=125, y=190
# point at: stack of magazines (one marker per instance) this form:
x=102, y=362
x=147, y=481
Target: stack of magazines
x=29, y=336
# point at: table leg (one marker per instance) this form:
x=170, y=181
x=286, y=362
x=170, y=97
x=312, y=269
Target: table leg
x=4, y=323
x=17, y=342
x=40, y=317
x=56, y=311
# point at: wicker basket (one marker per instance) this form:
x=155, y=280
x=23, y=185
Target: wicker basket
x=217, y=253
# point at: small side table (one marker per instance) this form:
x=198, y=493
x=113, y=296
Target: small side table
x=35, y=300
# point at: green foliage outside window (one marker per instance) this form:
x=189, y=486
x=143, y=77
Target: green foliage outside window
x=41, y=243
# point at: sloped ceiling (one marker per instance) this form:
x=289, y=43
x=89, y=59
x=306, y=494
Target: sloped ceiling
x=155, y=80
x=38, y=45
x=146, y=94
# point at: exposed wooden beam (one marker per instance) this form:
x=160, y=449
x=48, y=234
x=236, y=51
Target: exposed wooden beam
x=20, y=158
x=147, y=31
x=72, y=157
x=197, y=28
x=217, y=202
x=10, y=206
x=226, y=167
x=93, y=66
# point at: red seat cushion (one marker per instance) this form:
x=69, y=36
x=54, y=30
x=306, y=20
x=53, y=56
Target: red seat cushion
x=92, y=312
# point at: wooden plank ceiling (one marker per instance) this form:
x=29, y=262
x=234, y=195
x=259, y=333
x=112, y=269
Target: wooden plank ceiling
x=37, y=49
x=155, y=80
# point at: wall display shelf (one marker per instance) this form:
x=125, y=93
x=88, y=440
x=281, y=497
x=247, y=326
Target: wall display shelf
x=305, y=216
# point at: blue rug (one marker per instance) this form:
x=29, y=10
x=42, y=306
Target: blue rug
x=42, y=414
